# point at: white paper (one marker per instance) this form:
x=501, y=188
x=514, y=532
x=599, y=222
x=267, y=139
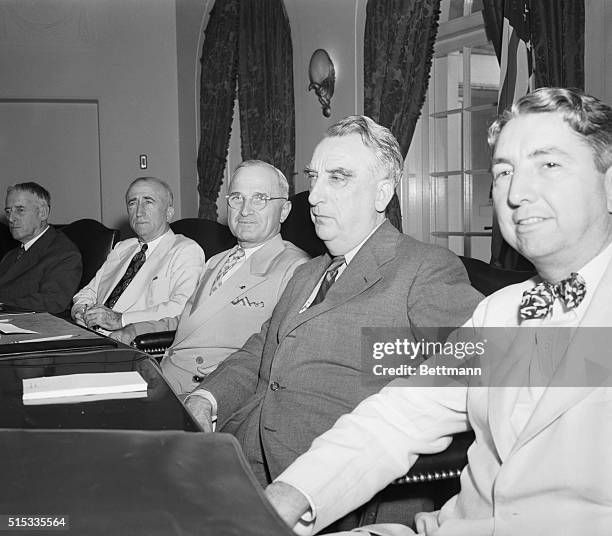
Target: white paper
x=9, y=329
x=84, y=398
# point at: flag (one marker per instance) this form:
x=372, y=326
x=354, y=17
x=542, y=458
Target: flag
x=516, y=80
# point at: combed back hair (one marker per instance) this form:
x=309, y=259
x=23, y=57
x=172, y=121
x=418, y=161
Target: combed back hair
x=590, y=118
x=33, y=188
x=377, y=138
x=283, y=184
x=162, y=183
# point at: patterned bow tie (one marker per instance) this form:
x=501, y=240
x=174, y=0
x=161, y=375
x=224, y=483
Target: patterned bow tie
x=538, y=301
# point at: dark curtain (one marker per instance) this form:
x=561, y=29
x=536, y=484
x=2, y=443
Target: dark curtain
x=217, y=94
x=557, y=38
x=398, y=50
x=265, y=85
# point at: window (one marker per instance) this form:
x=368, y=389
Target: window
x=446, y=198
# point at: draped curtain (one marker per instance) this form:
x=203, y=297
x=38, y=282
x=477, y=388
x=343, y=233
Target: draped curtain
x=557, y=38
x=398, y=51
x=247, y=49
x=217, y=94
x=265, y=88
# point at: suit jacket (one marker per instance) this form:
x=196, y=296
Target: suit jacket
x=290, y=382
x=160, y=288
x=214, y=326
x=45, y=277
x=551, y=477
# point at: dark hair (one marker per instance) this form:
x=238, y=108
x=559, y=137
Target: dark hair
x=377, y=138
x=33, y=188
x=590, y=118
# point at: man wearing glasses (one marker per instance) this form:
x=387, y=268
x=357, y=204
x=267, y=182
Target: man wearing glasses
x=239, y=287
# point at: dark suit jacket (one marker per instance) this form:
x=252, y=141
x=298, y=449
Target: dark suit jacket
x=45, y=278
x=290, y=382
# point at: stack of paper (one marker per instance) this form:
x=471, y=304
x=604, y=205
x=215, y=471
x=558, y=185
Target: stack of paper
x=98, y=386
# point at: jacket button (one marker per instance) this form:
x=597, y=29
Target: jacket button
x=199, y=360
x=274, y=386
x=197, y=379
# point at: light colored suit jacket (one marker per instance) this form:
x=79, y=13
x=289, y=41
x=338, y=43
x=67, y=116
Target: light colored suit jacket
x=554, y=476
x=160, y=288
x=215, y=326
x=290, y=382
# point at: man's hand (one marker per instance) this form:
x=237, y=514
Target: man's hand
x=125, y=335
x=290, y=504
x=201, y=409
x=99, y=315
x=78, y=313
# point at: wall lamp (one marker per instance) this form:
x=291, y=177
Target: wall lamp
x=322, y=78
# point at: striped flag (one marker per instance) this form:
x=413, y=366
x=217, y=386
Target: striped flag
x=516, y=80
x=516, y=75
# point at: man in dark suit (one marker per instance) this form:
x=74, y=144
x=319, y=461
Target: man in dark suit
x=292, y=380
x=43, y=273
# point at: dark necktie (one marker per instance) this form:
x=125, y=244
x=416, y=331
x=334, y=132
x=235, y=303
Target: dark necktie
x=328, y=279
x=230, y=262
x=20, y=253
x=132, y=269
x=538, y=302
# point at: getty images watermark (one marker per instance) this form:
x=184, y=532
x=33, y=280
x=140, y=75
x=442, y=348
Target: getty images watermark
x=492, y=357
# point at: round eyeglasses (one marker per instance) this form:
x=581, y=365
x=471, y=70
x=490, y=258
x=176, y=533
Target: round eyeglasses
x=258, y=201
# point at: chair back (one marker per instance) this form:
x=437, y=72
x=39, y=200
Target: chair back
x=298, y=227
x=212, y=236
x=94, y=240
x=489, y=279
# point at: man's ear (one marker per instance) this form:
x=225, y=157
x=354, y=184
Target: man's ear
x=169, y=213
x=285, y=211
x=43, y=211
x=384, y=193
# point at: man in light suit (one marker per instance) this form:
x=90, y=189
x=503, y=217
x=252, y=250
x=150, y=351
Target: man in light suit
x=43, y=273
x=541, y=461
x=293, y=379
x=230, y=304
x=144, y=278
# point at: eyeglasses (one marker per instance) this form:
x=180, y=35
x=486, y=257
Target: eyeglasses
x=258, y=201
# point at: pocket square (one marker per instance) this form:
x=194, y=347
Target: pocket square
x=244, y=301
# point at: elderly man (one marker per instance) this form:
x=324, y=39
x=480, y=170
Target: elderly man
x=239, y=287
x=291, y=381
x=144, y=278
x=43, y=273
x=540, y=463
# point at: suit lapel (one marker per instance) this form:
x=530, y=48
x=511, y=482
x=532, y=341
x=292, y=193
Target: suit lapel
x=583, y=367
x=360, y=274
x=29, y=258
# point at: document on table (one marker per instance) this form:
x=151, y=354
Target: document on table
x=7, y=329
x=94, y=385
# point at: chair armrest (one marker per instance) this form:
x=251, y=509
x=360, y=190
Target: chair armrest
x=154, y=343
x=442, y=465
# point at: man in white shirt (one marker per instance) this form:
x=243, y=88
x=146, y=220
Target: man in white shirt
x=239, y=287
x=540, y=463
x=44, y=271
x=144, y=278
x=294, y=378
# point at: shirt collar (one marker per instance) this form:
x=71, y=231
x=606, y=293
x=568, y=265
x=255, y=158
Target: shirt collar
x=30, y=242
x=349, y=255
x=153, y=243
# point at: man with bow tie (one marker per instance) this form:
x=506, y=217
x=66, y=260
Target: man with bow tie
x=293, y=379
x=540, y=463
x=239, y=287
x=44, y=271
x=147, y=277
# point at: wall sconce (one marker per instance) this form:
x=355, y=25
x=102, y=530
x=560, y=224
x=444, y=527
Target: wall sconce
x=322, y=78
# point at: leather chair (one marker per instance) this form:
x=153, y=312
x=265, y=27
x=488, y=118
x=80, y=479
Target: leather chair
x=212, y=236
x=7, y=242
x=299, y=229
x=94, y=240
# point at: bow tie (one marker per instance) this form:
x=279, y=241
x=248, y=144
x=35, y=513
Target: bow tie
x=538, y=301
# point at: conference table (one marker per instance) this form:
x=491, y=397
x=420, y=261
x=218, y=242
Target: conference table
x=115, y=466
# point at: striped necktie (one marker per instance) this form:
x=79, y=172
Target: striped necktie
x=231, y=261
x=135, y=264
x=329, y=278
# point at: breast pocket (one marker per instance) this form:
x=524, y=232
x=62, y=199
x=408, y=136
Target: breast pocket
x=158, y=290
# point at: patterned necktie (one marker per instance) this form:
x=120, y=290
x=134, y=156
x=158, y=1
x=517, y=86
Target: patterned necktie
x=135, y=264
x=328, y=279
x=231, y=261
x=20, y=252
x=538, y=301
